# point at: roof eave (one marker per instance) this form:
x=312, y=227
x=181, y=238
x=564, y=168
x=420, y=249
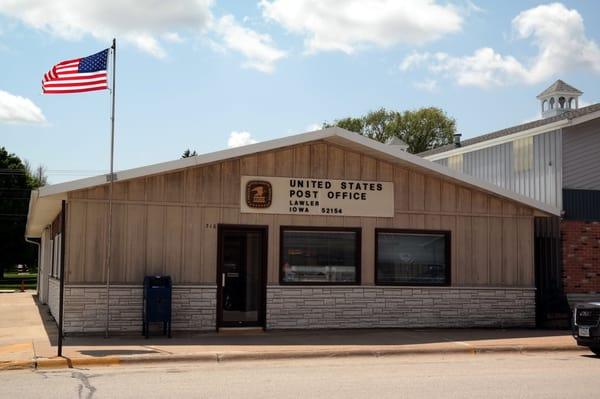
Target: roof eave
x=46, y=205
x=42, y=211
x=559, y=124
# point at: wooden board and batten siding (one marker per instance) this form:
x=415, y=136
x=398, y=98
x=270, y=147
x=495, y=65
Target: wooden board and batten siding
x=167, y=224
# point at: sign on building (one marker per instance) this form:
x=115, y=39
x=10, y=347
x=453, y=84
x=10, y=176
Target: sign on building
x=325, y=197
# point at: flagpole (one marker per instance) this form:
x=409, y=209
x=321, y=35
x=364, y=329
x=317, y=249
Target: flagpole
x=110, y=186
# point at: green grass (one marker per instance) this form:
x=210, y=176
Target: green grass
x=13, y=275
x=17, y=286
x=12, y=280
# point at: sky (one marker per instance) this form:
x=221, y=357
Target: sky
x=209, y=74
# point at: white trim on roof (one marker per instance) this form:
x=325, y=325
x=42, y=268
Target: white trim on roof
x=42, y=211
x=54, y=193
x=187, y=162
x=515, y=136
x=559, y=93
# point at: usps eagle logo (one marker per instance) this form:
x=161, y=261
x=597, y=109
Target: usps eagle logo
x=259, y=194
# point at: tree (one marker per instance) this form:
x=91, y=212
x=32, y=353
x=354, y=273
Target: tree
x=16, y=183
x=188, y=153
x=37, y=176
x=423, y=129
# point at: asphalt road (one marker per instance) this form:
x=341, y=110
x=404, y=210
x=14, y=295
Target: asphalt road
x=549, y=375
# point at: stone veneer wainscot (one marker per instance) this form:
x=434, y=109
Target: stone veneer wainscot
x=398, y=307
x=193, y=307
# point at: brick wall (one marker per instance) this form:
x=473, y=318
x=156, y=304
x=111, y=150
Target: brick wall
x=373, y=307
x=193, y=307
x=581, y=257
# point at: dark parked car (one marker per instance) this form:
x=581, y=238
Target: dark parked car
x=586, y=325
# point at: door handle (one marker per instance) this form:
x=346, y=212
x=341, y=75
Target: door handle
x=223, y=280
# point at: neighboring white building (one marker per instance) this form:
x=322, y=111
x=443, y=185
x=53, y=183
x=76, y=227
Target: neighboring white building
x=555, y=160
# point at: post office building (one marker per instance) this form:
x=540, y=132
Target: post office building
x=326, y=229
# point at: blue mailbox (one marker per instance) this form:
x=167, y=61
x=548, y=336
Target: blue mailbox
x=157, y=303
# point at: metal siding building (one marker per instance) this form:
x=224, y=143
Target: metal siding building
x=581, y=152
x=533, y=170
x=554, y=160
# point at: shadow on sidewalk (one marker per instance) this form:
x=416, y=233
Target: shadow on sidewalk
x=118, y=352
x=49, y=324
x=355, y=337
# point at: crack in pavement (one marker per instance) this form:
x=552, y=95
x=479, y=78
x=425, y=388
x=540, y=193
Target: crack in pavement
x=84, y=382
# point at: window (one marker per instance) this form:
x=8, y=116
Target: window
x=52, y=256
x=412, y=257
x=320, y=255
x=56, y=249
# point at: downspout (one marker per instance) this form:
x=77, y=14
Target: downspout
x=39, y=251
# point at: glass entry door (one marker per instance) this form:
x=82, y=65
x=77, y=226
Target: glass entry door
x=241, y=276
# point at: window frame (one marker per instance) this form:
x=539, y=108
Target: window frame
x=55, y=244
x=448, y=254
x=358, y=255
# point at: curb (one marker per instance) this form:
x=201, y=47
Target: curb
x=217, y=357
x=17, y=365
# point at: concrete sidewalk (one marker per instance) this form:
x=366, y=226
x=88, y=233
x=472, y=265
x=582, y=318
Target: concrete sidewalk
x=28, y=340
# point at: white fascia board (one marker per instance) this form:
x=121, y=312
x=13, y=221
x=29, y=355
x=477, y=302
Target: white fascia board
x=42, y=211
x=198, y=160
x=559, y=94
x=584, y=118
x=499, y=140
x=512, y=137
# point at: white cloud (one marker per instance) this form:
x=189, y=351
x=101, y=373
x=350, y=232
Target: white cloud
x=314, y=126
x=349, y=25
x=17, y=109
x=173, y=37
x=414, y=59
x=484, y=68
x=238, y=139
x=427, y=85
x=557, y=32
x=258, y=48
x=146, y=24
x=138, y=22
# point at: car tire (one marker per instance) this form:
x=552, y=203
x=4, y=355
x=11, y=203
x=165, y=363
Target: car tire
x=596, y=350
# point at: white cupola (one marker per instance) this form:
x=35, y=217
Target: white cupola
x=558, y=98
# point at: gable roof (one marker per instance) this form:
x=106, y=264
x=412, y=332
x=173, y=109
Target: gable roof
x=46, y=201
x=559, y=87
x=539, y=126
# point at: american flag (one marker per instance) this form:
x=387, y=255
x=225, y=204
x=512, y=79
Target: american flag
x=77, y=75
